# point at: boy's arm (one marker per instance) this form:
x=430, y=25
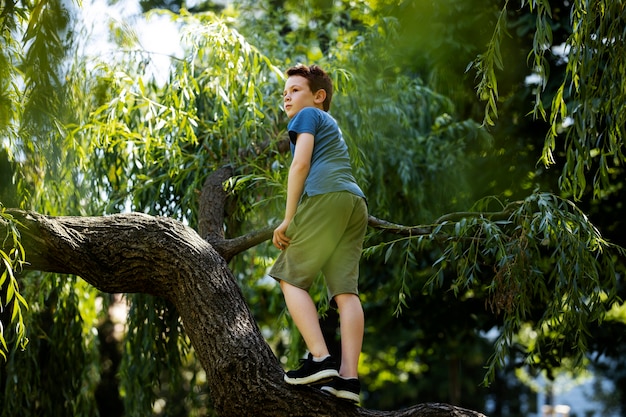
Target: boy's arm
x=298, y=172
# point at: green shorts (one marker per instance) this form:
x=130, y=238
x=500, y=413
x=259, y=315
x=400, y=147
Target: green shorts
x=327, y=235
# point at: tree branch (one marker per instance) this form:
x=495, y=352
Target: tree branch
x=503, y=214
x=426, y=410
x=212, y=203
x=231, y=247
x=398, y=229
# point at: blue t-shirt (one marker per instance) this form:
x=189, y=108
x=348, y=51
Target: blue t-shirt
x=330, y=163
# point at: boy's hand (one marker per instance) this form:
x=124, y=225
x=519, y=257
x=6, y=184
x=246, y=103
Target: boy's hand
x=280, y=240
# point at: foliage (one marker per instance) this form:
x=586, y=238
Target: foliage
x=68, y=349
x=588, y=102
x=524, y=261
x=11, y=301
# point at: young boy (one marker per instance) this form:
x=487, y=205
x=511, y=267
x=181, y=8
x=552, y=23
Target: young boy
x=323, y=230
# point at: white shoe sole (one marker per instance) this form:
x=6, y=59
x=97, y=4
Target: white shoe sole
x=311, y=379
x=345, y=395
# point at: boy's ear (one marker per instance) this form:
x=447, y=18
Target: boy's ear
x=319, y=96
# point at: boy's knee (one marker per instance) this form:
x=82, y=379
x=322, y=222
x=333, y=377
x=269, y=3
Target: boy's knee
x=346, y=299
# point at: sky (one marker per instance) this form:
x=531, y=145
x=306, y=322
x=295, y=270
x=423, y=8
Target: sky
x=156, y=34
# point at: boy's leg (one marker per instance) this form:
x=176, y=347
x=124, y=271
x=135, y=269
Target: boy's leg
x=304, y=314
x=351, y=325
x=342, y=273
x=319, y=365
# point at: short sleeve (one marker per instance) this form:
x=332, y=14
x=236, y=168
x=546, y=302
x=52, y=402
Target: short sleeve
x=306, y=121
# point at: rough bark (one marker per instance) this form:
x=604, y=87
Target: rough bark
x=131, y=253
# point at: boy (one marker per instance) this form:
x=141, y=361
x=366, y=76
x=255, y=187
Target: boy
x=323, y=230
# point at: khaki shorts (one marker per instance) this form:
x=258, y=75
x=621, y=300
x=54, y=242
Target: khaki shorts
x=327, y=235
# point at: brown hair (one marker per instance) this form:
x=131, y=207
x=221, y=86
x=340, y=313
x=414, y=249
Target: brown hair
x=318, y=80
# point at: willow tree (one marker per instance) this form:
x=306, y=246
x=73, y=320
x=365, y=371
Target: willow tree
x=202, y=157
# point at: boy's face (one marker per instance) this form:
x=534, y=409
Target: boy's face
x=298, y=95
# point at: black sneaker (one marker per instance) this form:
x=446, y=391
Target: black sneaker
x=311, y=372
x=346, y=389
